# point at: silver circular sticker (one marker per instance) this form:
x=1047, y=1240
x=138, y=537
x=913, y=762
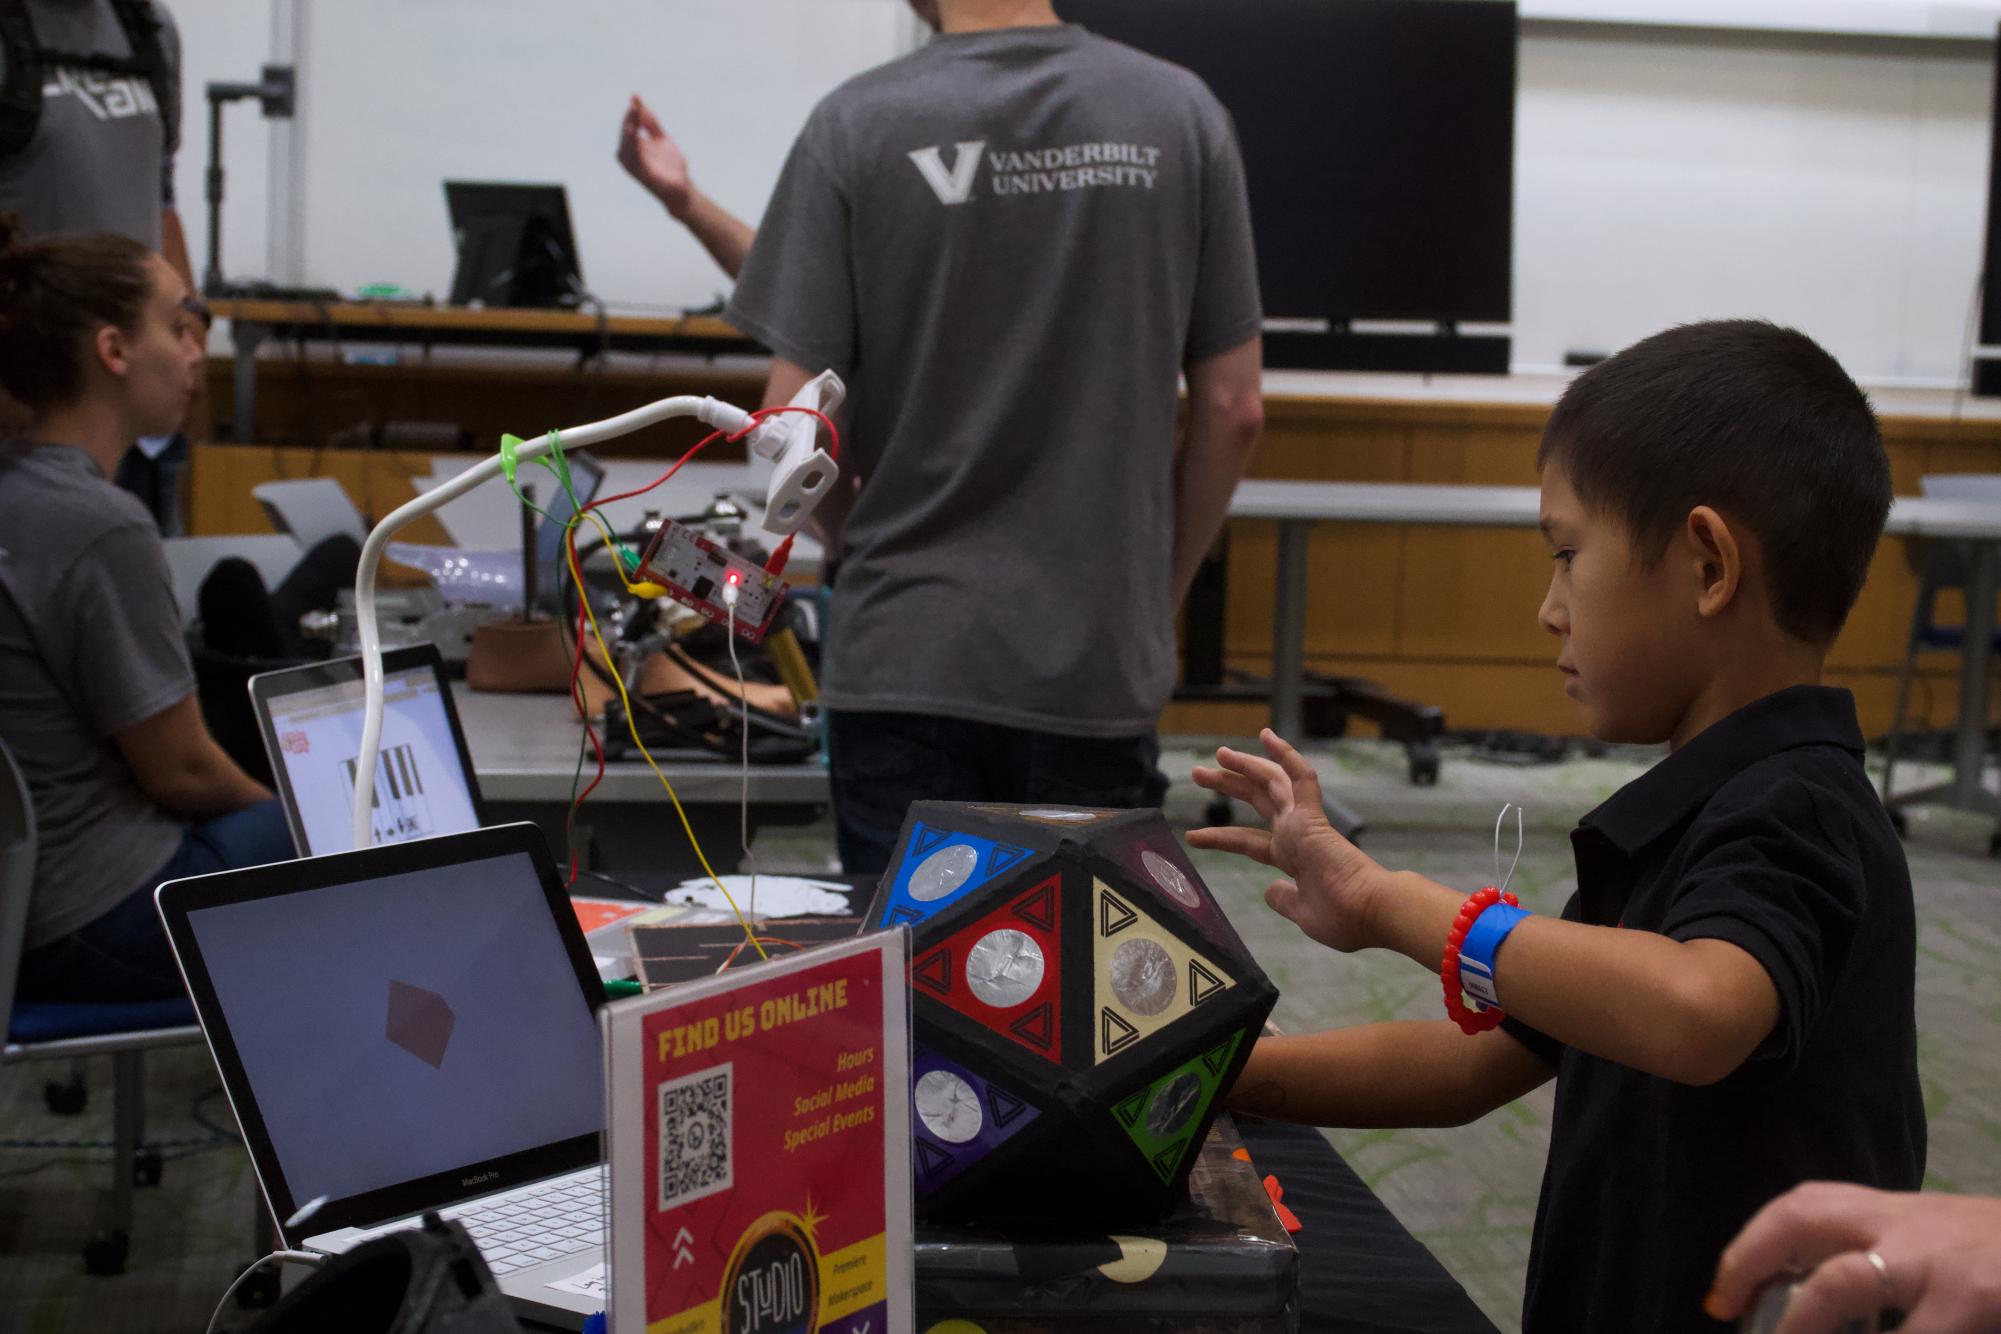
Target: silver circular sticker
x=1004, y=968
x=943, y=871
x=1173, y=1104
x=947, y=1106
x=1058, y=814
x=1170, y=878
x=1143, y=976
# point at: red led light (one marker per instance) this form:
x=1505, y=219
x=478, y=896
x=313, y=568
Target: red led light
x=734, y=577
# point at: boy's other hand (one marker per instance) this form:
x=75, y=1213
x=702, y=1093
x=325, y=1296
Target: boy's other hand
x=1332, y=888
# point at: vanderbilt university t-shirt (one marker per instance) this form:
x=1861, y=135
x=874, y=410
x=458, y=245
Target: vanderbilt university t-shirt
x=1008, y=244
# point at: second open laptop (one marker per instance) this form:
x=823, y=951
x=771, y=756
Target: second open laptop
x=310, y=718
x=406, y=1028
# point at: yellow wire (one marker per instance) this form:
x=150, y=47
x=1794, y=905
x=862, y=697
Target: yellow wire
x=611, y=541
x=632, y=726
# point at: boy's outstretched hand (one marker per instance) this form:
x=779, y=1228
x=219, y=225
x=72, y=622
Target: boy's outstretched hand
x=1333, y=888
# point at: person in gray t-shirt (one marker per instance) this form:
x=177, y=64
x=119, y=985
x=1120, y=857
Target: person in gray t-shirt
x=99, y=158
x=97, y=703
x=1009, y=244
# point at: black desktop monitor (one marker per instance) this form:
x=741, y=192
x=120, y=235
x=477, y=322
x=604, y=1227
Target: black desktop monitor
x=1378, y=143
x=514, y=245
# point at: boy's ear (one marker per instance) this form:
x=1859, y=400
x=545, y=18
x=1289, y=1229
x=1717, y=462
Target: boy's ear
x=1717, y=558
x=110, y=349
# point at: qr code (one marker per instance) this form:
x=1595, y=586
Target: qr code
x=695, y=1146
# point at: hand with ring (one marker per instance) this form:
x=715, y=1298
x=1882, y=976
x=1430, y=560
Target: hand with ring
x=1935, y=1259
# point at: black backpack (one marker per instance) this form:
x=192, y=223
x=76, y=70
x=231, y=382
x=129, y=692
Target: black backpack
x=27, y=62
x=428, y=1280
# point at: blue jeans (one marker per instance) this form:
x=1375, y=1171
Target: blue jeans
x=881, y=762
x=123, y=955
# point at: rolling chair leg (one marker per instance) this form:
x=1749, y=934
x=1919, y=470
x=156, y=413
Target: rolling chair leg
x=105, y=1252
x=68, y=1097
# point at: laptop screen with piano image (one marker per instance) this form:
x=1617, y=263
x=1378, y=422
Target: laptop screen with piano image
x=311, y=717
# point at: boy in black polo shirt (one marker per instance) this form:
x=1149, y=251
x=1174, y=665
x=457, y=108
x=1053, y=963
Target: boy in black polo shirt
x=1726, y=1002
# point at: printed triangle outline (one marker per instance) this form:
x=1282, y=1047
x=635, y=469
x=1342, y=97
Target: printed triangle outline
x=1168, y=1159
x=901, y=916
x=1217, y=1058
x=1017, y=1023
x=1003, y=857
x=1106, y=1019
x=1038, y=906
x=926, y=1150
x=1006, y=1108
x=925, y=839
x=938, y=962
x=1197, y=993
x=1129, y=1110
x=1107, y=902
x=1037, y=1026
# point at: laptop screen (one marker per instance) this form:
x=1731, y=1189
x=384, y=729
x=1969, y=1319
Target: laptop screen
x=401, y=1027
x=311, y=719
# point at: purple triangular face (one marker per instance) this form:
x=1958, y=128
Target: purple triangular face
x=420, y=1022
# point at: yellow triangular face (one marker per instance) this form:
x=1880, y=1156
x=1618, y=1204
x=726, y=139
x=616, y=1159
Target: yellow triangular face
x=1143, y=977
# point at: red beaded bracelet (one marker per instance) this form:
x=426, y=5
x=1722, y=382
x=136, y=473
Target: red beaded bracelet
x=1469, y=1021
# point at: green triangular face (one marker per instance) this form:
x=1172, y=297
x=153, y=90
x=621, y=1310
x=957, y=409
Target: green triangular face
x=1161, y=1119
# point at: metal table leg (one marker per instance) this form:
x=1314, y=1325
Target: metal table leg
x=1288, y=658
x=1288, y=630
x=1965, y=791
x=1970, y=745
x=245, y=335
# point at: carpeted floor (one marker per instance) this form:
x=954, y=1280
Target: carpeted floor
x=1469, y=1194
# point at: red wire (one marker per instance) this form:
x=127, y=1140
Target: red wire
x=776, y=565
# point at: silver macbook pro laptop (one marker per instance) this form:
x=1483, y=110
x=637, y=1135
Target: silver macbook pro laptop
x=407, y=1028
x=310, y=718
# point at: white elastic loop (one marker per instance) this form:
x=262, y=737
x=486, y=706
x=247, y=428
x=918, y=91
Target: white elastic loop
x=1502, y=880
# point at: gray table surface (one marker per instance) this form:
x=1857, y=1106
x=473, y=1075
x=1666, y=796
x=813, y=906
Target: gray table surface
x=524, y=749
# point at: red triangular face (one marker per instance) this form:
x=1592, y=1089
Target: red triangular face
x=1003, y=971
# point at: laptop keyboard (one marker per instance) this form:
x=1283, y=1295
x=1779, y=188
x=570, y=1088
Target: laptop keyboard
x=537, y=1223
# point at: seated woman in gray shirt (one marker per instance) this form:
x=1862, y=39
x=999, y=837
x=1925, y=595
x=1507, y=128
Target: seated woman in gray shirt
x=99, y=339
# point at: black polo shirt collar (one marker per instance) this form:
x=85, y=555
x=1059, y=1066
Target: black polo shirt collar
x=1658, y=801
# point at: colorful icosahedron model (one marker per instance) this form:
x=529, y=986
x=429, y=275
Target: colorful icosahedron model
x=1080, y=1008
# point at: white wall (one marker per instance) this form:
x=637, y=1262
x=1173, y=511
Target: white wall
x=1837, y=183
x=401, y=94
x=224, y=41
x=1909, y=18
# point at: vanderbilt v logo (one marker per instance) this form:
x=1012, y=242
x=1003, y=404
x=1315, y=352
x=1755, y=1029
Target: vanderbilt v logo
x=954, y=186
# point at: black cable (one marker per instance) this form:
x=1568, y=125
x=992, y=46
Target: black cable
x=220, y=1131
x=627, y=886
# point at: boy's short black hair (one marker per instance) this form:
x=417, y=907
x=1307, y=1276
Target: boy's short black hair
x=1756, y=421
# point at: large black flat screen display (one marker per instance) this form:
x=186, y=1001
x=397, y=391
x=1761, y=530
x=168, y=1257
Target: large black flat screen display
x=1378, y=140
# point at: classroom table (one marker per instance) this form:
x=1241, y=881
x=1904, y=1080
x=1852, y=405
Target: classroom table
x=524, y=754
x=1297, y=506
x=1357, y=1269
x=251, y=322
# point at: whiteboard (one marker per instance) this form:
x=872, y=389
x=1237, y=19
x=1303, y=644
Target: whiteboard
x=1889, y=18
x=1662, y=173
x=397, y=96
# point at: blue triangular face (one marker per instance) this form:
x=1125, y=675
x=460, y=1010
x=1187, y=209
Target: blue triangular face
x=941, y=867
